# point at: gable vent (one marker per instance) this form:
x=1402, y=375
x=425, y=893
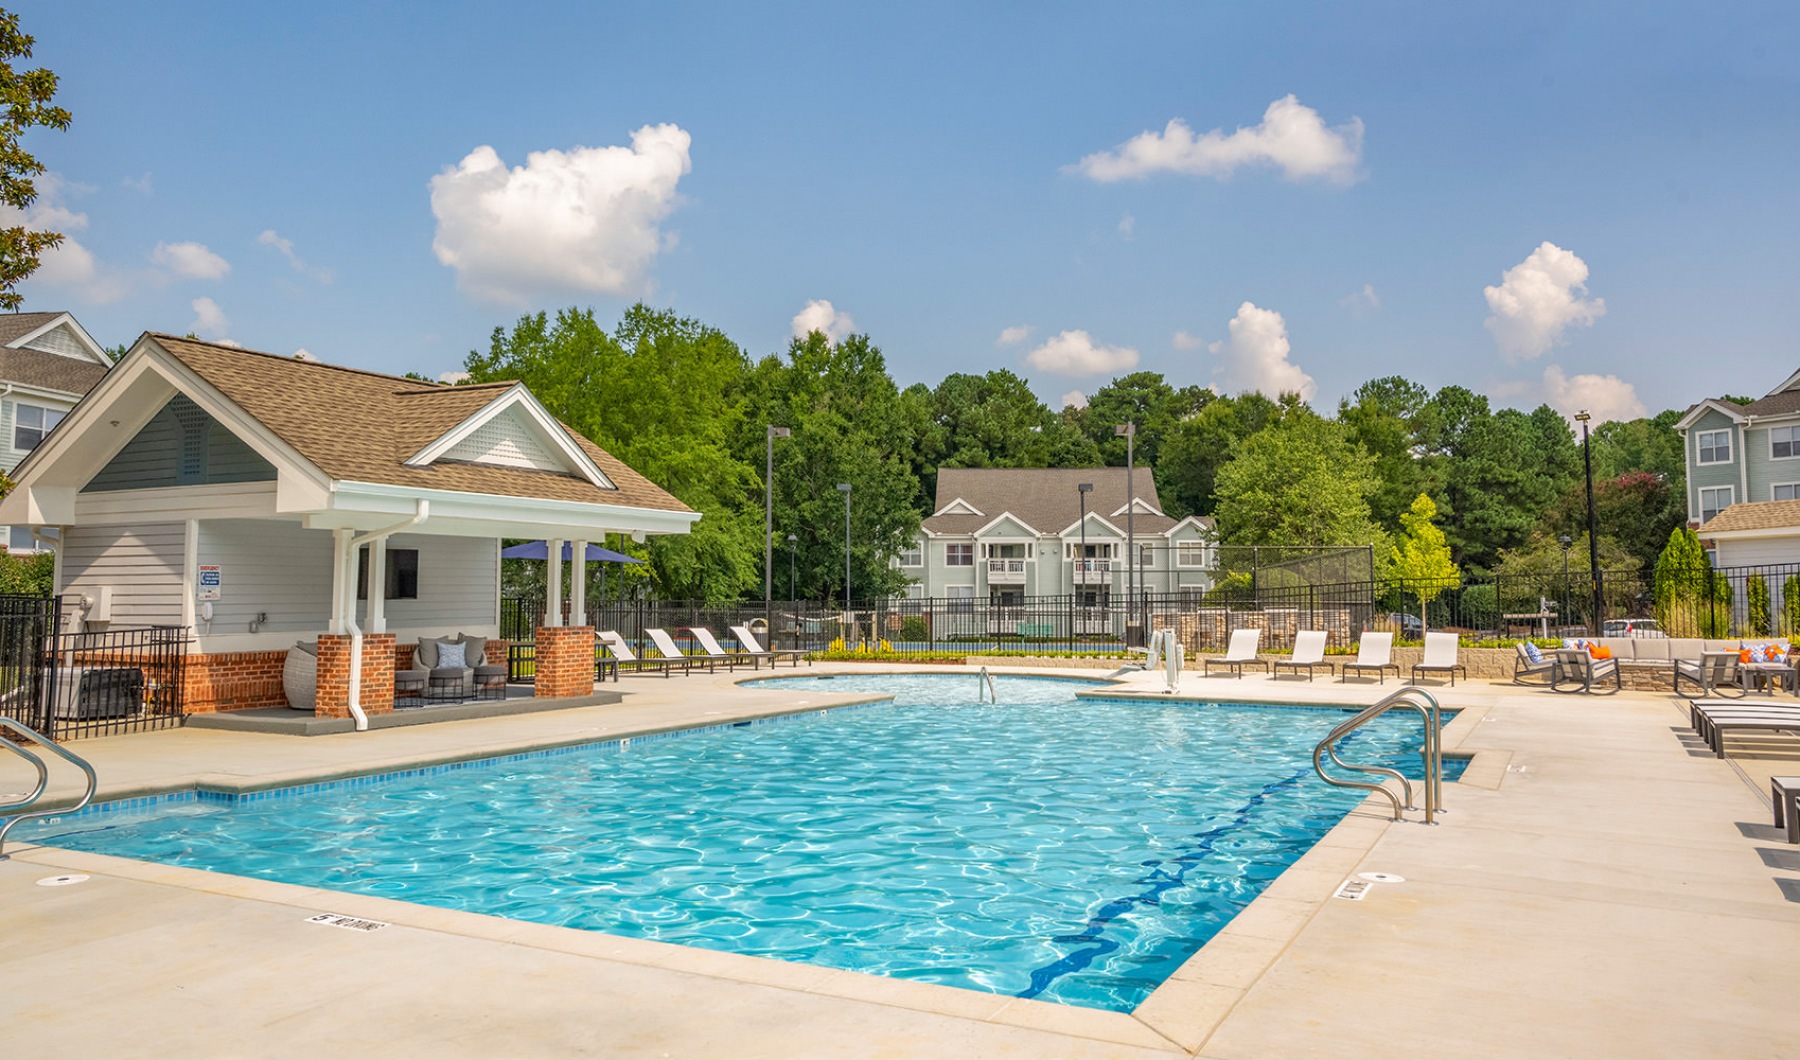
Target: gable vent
x=506, y=442
x=193, y=421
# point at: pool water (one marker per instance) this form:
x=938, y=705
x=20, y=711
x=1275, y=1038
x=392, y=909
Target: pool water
x=1070, y=850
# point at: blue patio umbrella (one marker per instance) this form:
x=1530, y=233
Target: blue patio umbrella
x=541, y=550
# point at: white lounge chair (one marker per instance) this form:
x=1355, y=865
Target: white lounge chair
x=1240, y=652
x=624, y=657
x=1440, y=658
x=1309, y=653
x=731, y=659
x=752, y=645
x=665, y=645
x=1374, y=652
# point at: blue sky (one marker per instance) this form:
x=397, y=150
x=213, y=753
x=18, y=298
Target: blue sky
x=315, y=174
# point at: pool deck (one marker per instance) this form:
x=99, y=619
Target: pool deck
x=1601, y=886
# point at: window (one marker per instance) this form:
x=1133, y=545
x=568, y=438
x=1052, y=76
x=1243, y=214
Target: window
x=962, y=598
x=31, y=423
x=1190, y=555
x=402, y=574
x=1713, y=501
x=18, y=539
x=1146, y=556
x=959, y=555
x=1011, y=597
x=1787, y=491
x=1715, y=447
x=912, y=556
x=1086, y=598
x=1781, y=441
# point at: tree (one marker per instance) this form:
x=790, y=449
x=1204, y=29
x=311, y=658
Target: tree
x=1194, y=449
x=24, y=103
x=1756, y=605
x=1790, y=606
x=1421, y=559
x=1690, y=600
x=991, y=420
x=1298, y=481
x=1145, y=399
x=1383, y=417
x=1499, y=472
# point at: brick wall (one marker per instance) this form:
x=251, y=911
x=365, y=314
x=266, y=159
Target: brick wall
x=233, y=680
x=334, y=675
x=565, y=661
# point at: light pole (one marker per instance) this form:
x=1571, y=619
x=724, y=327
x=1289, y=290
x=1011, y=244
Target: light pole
x=1565, y=542
x=845, y=486
x=1128, y=431
x=1587, y=463
x=769, y=516
x=1081, y=560
x=791, y=547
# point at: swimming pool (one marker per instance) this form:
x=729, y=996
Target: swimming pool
x=1070, y=850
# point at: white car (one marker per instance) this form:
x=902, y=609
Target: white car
x=1631, y=627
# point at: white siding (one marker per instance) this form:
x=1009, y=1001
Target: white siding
x=284, y=570
x=62, y=341
x=142, y=564
x=1759, y=552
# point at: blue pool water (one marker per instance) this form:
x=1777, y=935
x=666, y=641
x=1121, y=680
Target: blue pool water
x=1070, y=850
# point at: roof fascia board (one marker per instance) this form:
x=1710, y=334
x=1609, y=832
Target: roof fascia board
x=1138, y=506
x=381, y=499
x=951, y=509
x=1730, y=409
x=95, y=350
x=87, y=413
x=548, y=429
x=1786, y=385
x=1009, y=517
x=1744, y=535
x=1074, y=528
x=27, y=390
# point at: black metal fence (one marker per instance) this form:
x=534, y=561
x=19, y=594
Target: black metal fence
x=70, y=685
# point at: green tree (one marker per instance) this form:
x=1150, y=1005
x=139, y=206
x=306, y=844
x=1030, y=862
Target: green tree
x=1542, y=571
x=1690, y=600
x=1383, y=417
x=1143, y=398
x=1790, y=606
x=1421, y=559
x=664, y=394
x=1196, y=447
x=24, y=103
x=1498, y=473
x=1756, y=604
x=1298, y=481
x=1637, y=509
x=991, y=420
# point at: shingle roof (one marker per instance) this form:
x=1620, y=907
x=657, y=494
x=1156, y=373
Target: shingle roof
x=16, y=325
x=51, y=371
x=359, y=426
x=1754, y=515
x=1788, y=401
x=1044, y=498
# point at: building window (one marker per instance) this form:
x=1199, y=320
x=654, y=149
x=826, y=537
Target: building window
x=1786, y=491
x=1714, y=500
x=1781, y=441
x=1146, y=555
x=1187, y=555
x=959, y=555
x=1715, y=447
x=18, y=539
x=402, y=574
x=1090, y=598
x=962, y=598
x=912, y=556
x=31, y=423
x=1010, y=597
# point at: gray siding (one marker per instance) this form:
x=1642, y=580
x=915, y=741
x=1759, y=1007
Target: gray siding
x=1764, y=469
x=142, y=564
x=9, y=456
x=181, y=446
x=1709, y=475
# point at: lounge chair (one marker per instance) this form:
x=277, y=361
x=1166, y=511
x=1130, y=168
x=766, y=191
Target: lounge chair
x=731, y=659
x=1578, y=671
x=1440, y=658
x=623, y=658
x=752, y=645
x=1309, y=653
x=1526, y=671
x=1713, y=720
x=1374, y=652
x=1715, y=673
x=1239, y=653
x=665, y=644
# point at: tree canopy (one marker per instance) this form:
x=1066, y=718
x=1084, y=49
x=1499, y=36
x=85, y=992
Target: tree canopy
x=24, y=104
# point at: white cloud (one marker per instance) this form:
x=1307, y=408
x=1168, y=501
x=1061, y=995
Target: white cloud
x=821, y=315
x=584, y=220
x=140, y=185
x=1074, y=353
x=270, y=238
x=209, y=320
x=1537, y=300
x=1363, y=302
x=1255, y=357
x=1184, y=341
x=1127, y=226
x=1292, y=138
x=190, y=260
x=1075, y=398
x=453, y=378
x=69, y=265
x=1606, y=397
x=1016, y=334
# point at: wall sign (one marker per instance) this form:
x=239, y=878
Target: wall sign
x=212, y=580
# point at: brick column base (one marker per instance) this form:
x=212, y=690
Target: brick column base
x=334, y=675
x=565, y=661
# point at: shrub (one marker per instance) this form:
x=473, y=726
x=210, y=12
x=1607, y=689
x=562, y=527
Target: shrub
x=1756, y=601
x=913, y=627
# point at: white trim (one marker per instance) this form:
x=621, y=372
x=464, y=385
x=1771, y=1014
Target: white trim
x=1022, y=524
x=1731, y=409
x=1730, y=447
x=1747, y=535
x=958, y=507
x=459, y=514
x=95, y=350
x=970, y=545
x=1074, y=528
x=1138, y=506
x=1794, y=486
x=1786, y=385
x=1700, y=500
x=1793, y=441
x=550, y=430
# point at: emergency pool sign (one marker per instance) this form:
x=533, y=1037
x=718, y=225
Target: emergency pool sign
x=211, y=581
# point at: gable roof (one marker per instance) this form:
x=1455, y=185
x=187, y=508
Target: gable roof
x=1754, y=519
x=49, y=371
x=15, y=326
x=1042, y=497
x=362, y=426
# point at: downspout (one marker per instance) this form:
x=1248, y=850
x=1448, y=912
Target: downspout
x=356, y=634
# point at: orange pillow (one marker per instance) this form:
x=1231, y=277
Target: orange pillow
x=1599, y=651
x=1743, y=655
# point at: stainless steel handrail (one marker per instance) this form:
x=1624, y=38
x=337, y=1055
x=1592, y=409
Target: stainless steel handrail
x=1433, y=751
x=43, y=784
x=987, y=680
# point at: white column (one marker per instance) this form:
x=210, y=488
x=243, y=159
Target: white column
x=378, y=585
x=553, y=569
x=342, y=588
x=578, y=585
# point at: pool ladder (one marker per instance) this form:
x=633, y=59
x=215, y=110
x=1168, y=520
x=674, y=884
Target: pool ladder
x=986, y=686
x=43, y=781
x=1427, y=705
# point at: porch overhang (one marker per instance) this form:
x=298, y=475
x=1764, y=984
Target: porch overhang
x=364, y=506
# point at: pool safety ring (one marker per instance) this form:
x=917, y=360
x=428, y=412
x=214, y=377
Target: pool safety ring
x=1380, y=877
x=62, y=881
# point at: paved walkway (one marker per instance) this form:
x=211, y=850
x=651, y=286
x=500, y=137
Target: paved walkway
x=1601, y=887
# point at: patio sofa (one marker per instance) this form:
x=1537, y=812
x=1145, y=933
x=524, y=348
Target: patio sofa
x=1648, y=663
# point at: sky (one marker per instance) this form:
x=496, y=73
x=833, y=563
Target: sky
x=1591, y=205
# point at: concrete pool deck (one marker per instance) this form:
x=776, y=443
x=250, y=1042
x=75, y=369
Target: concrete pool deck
x=1601, y=886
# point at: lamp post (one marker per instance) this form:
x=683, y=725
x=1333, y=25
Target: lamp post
x=845, y=486
x=1081, y=559
x=791, y=547
x=1587, y=463
x=769, y=517
x=1128, y=431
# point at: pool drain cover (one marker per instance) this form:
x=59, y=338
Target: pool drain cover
x=62, y=881
x=350, y=922
x=1353, y=890
x=1380, y=877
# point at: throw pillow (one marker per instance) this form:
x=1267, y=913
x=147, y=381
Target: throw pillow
x=425, y=656
x=1532, y=652
x=474, y=651
x=450, y=657
x=1743, y=655
x=1759, y=653
x=1599, y=651
x=1575, y=642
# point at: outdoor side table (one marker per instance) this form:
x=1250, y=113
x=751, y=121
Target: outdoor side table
x=445, y=684
x=1786, y=794
x=490, y=682
x=1766, y=677
x=409, y=686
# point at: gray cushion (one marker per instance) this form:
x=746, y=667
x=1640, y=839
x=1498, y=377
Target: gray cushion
x=476, y=650
x=425, y=658
x=310, y=647
x=451, y=656
x=1686, y=648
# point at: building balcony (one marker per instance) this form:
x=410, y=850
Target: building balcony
x=1006, y=572
x=1093, y=572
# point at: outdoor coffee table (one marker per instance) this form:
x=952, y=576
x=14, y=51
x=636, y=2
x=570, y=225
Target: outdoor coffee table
x=1766, y=677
